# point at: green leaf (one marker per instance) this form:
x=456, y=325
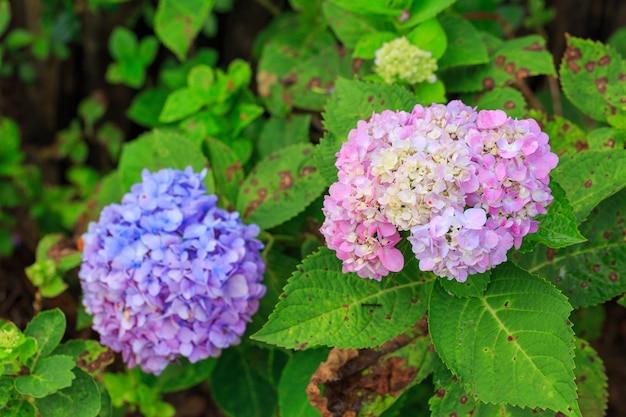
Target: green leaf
x=228, y=171
x=157, y=150
x=604, y=138
x=201, y=78
x=280, y=132
x=5, y=15
x=349, y=25
x=508, y=99
x=558, y=228
x=147, y=51
x=174, y=75
x=147, y=105
x=18, y=38
x=17, y=406
x=82, y=399
x=321, y=306
x=177, y=22
x=591, y=380
x=89, y=355
x=590, y=177
x=429, y=93
x=48, y=328
x=92, y=108
x=474, y=286
x=181, y=103
x=51, y=374
x=592, y=272
x=280, y=187
x=423, y=10
x=240, y=389
x=429, y=36
x=292, y=396
x=617, y=41
x=465, y=46
x=123, y=44
x=592, y=77
x=509, y=61
x=369, y=43
x=242, y=114
x=511, y=345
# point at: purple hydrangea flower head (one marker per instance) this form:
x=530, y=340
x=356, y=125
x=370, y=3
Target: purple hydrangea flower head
x=167, y=273
x=466, y=186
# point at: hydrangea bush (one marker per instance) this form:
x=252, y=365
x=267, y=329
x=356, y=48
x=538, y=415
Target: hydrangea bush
x=396, y=208
x=167, y=273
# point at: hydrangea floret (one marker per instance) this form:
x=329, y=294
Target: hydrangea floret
x=167, y=273
x=401, y=61
x=465, y=186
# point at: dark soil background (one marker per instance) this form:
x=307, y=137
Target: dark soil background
x=49, y=104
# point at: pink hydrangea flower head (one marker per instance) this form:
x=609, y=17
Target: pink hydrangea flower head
x=465, y=184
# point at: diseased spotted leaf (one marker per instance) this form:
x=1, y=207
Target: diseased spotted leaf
x=592, y=76
x=591, y=380
x=321, y=306
x=592, y=272
x=48, y=328
x=511, y=345
x=509, y=61
x=280, y=186
x=508, y=99
x=565, y=136
x=228, y=171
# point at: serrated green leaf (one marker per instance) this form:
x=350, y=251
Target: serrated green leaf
x=590, y=177
x=181, y=103
x=241, y=390
x=349, y=25
x=228, y=171
x=592, y=77
x=292, y=396
x=321, y=306
x=280, y=132
x=511, y=60
x=558, y=228
x=51, y=374
x=593, y=272
x=465, y=45
x=429, y=36
x=157, y=150
x=177, y=22
x=474, y=286
x=82, y=399
x=512, y=345
x=280, y=187
x=48, y=328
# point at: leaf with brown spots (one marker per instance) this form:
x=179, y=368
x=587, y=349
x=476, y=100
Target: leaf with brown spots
x=280, y=187
x=369, y=381
x=592, y=272
x=565, y=136
x=511, y=345
x=591, y=380
x=604, y=138
x=321, y=306
x=592, y=77
x=89, y=355
x=509, y=61
x=508, y=99
x=227, y=169
x=590, y=177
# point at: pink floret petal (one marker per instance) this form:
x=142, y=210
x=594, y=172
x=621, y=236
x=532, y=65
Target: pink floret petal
x=466, y=185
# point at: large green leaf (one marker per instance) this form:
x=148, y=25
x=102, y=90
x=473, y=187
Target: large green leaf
x=505, y=98
x=591, y=380
x=177, y=22
x=511, y=345
x=48, y=328
x=240, y=387
x=590, y=177
x=280, y=187
x=509, y=61
x=565, y=136
x=82, y=399
x=349, y=25
x=592, y=76
x=323, y=306
x=228, y=171
x=157, y=150
x=280, y=132
x=89, y=355
x=592, y=272
x=51, y=374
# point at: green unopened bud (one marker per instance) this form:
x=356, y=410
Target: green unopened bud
x=399, y=60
